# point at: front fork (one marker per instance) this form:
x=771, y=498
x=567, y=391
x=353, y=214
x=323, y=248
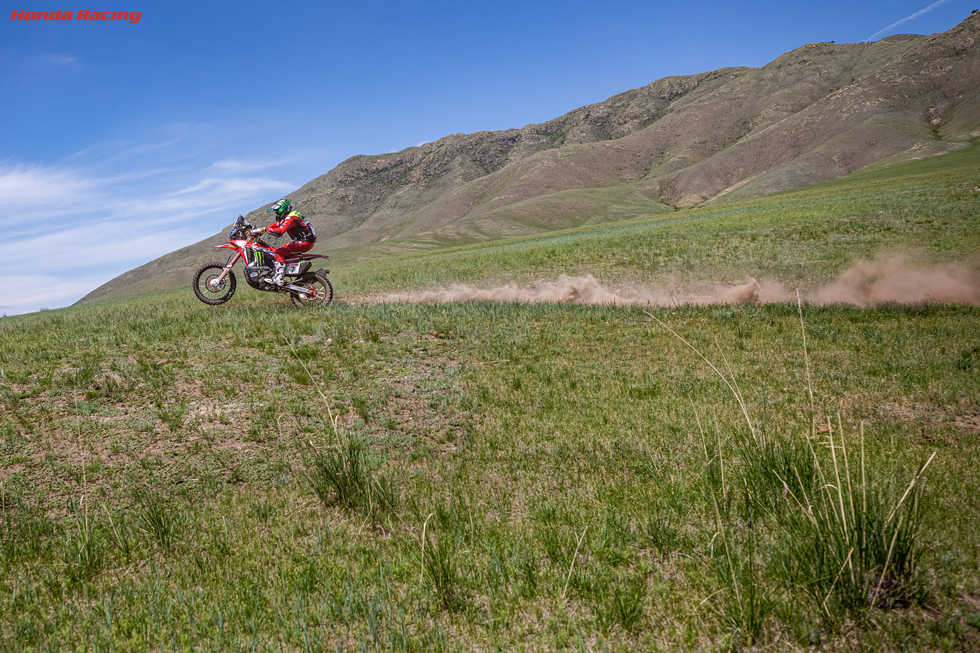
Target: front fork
x=231, y=261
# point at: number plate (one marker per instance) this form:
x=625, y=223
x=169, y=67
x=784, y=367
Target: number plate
x=292, y=268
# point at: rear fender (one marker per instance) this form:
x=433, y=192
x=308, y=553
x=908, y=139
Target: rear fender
x=309, y=276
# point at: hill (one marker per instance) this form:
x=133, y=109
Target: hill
x=816, y=113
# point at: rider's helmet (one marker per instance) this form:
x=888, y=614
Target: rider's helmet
x=281, y=209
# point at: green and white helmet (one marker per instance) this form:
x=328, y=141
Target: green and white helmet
x=281, y=208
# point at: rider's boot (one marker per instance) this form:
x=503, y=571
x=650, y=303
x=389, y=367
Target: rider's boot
x=277, y=278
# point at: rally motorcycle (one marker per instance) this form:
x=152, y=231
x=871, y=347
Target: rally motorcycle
x=214, y=283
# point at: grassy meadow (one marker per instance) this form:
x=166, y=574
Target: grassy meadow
x=506, y=476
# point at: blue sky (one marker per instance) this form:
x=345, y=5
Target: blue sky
x=121, y=141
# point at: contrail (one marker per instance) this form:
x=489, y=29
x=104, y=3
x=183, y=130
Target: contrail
x=908, y=18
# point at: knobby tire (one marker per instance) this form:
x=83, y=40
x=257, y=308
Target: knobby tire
x=207, y=295
x=323, y=287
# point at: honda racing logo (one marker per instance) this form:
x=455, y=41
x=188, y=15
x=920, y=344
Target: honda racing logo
x=126, y=16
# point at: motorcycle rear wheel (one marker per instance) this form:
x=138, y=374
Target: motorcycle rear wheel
x=320, y=292
x=206, y=285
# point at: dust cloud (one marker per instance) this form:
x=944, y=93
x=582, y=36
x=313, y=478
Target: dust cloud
x=892, y=278
x=587, y=290
x=895, y=278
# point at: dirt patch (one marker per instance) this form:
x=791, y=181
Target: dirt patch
x=968, y=422
x=933, y=424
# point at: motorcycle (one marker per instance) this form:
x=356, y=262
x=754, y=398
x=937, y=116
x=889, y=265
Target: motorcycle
x=215, y=283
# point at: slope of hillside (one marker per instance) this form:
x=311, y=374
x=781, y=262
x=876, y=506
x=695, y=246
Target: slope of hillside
x=816, y=113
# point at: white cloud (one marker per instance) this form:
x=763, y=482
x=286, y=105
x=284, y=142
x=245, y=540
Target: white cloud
x=25, y=70
x=246, y=165
x=23, y=188
x=31, y=195
x=23, y=293
x=235, y=186
x=102, y=245
x=59, y=59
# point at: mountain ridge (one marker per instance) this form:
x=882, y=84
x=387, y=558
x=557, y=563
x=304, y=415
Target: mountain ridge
x=815, y=113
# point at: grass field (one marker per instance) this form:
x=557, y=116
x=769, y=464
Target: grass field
x=515, y=476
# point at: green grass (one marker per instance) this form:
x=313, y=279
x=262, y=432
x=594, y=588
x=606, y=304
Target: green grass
x=481, y=475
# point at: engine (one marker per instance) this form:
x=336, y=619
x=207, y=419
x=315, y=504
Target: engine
x=258, y=265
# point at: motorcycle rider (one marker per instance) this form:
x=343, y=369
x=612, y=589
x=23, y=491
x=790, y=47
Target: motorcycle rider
x=299, y=229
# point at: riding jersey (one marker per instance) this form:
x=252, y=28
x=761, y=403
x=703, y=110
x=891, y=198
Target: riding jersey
x=294, y=224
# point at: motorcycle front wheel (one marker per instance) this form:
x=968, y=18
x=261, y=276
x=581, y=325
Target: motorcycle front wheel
x=207, y=287
x=319, y=292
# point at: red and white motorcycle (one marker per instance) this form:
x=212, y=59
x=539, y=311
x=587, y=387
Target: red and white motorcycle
x=214, y=283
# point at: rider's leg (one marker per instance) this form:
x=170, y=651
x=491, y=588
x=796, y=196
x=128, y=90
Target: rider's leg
x=289, y=249
x=277, y=278
x=293, y=248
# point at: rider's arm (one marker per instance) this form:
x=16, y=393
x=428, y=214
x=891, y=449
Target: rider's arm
x=278, y=228
x=281, y=227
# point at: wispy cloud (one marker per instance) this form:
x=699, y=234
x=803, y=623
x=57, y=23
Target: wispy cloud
x=907, y=19
x=37, y=291
x=235, y=186
x=83, y=248
x=246, y=165
x=120, y=150
x=26, y=70
x=30, y=193
x=25, y=186
x=58, y=59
